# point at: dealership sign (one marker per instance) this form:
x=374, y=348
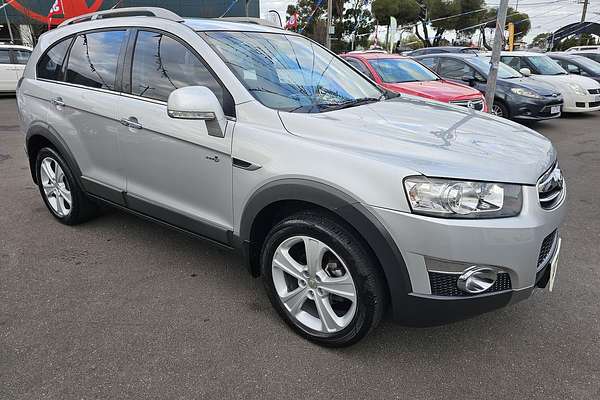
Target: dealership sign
x=41, y=10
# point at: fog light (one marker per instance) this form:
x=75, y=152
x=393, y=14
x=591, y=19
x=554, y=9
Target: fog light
x=477, y=279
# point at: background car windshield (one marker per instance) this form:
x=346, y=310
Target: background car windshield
x=546, y=66
x=588, y=64
x=504, y=71
x=289, y=72
x=396, y=70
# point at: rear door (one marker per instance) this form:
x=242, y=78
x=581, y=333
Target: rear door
x=176, y=170
x=83, y=108
x=8, y=82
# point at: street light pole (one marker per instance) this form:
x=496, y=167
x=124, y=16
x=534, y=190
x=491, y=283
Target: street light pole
x=490, y=90
x=584, y=11
x=329, y=16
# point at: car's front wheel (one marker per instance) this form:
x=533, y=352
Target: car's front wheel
x=322, y=279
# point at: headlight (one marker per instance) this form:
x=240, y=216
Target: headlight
x=526, y=93
x=577, y=88
x=449, y=198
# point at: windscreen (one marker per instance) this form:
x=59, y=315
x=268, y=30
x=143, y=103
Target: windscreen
x=290, y=72
x=504, y=71
x=546, y=66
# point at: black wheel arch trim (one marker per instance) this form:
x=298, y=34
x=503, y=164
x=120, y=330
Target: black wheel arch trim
x=367, y=225
x=44, y=130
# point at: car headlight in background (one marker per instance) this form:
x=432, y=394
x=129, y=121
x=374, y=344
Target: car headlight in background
x=450, y=198
x=526, y=93
x=577, y=88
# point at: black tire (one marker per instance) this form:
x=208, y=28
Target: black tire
x=81, y=208
x=371, y=295
x=502, y=109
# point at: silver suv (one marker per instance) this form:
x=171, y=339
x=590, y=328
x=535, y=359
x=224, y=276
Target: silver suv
x=345, y=198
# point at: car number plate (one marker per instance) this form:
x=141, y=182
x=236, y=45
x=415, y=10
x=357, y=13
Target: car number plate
x=597, y=98
x=554, y=265
x=554, y=109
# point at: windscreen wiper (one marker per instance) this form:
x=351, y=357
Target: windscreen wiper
x=348, y=104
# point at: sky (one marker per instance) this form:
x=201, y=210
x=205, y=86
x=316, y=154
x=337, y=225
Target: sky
x=546, y=15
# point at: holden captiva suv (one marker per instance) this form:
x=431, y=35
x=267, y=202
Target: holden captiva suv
x=347, y=199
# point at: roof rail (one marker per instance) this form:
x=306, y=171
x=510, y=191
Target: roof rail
x=125, y=12
x=251, y=20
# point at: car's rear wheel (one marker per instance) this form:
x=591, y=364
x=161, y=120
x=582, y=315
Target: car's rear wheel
x=59, y=190
x=322, y=279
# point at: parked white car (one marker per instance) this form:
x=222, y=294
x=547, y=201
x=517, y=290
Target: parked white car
x=580, y=94
x=13, y=59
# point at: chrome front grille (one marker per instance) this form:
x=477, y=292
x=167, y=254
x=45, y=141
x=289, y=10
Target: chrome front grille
x=472, y=104
x=550, y=188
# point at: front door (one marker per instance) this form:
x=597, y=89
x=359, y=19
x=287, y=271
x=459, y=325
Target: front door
x=176, y=171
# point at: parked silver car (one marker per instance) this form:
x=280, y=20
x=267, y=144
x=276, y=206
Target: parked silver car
x=347, y=199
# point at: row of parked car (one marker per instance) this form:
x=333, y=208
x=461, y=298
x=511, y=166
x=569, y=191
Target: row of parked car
x=530, y=86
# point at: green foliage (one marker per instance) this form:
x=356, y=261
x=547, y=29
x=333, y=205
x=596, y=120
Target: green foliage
x=541, y=40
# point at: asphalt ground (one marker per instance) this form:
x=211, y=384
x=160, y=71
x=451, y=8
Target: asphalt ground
x=122, y=308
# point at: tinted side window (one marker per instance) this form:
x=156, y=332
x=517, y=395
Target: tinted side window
x=21, y=56
x=4, y=56
x=359, y=66
x=51, y=64
x=93, y=59
x=161, y=64
x=454, y=69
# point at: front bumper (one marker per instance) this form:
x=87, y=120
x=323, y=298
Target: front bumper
x=510, y=244
x=524, y=108
x=581, y=103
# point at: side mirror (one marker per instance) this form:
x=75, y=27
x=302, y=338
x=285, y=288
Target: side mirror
x=200, y=103
x=525, y=71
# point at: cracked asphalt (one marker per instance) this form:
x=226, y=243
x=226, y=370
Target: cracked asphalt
x=120, y=308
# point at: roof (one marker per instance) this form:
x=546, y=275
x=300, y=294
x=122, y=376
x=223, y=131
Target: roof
x=204, y=24
x=584, y=51
x=522, y=54
x=371, y=55
x=14, y=46
x=566, y=56
x=449, y=55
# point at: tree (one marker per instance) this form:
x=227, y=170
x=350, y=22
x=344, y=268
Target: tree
x=541, y=40
x=439, y=15
x=519, y=19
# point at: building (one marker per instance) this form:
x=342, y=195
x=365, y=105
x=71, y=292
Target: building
x=23, y=20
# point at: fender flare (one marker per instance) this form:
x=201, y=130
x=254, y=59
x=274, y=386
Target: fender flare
x=44, y=130
x=366, y=224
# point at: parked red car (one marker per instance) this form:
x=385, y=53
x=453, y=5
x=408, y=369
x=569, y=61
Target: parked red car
x=405, y=75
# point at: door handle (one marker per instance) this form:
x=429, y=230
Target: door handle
x=57, y=102
x=131, y=122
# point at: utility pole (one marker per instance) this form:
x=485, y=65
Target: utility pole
x=329, y=16
x=12, y=39
x=584, y=11
x=490, y=90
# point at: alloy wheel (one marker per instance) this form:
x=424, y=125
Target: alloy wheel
x=497, y=110
x=313, y=284
x=56, y=187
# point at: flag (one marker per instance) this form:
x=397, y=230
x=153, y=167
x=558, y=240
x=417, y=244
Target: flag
x=56, y=9
x=292, y=23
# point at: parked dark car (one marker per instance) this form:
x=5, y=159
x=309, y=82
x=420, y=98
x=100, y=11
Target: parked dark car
x=442, y=49
x=517, y=97
x=578, y=65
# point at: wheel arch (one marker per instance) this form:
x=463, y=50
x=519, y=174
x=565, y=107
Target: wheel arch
x=294, y=194
x=41, y=135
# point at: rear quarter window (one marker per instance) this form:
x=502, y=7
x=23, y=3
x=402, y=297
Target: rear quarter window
x=51, y=63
